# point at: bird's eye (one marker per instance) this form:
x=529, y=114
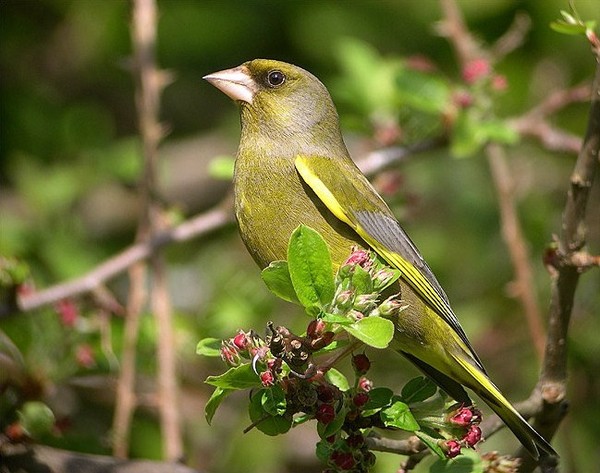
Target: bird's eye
x=275, y=78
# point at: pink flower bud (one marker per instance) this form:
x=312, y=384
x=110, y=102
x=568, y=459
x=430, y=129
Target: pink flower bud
x=475, y=70
x=68, y=312
x=240, y=340
x=267, y=379
x=365, y=384
x=451, y=448
x=462, y=417
x=473, y=436
x=499, y=83
x=84, y=354
x=360, y=257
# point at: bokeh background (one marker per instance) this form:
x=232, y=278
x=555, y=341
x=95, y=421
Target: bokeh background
x=70, y=161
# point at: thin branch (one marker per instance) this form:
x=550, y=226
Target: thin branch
x=535, y=124
x=150, y=84
x=513, y=38
x=195, y=227
x=126, y=400
x=553, y=379
x=515, y=241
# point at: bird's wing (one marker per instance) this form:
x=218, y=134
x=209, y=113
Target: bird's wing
x=356, y=203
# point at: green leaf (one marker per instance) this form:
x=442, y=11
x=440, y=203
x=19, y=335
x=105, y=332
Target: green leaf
x=36, y=418
x=277, y=278
x=265, y=422
x=378, y=398
x=564, y=27
x=273, y=401
x=431, y=441
x=214, y=402
x=499, y=131
x=221, y=167
x=323, y=451
x=422, y=91
x=337, y=319
x=361, y=280
x=398, y=415
x=337, y=379
x=238, y=377
x=310, y=268
x=209, y=347
x=418, y=389
x=468, y=461
x=466, y=137
x=376, y=332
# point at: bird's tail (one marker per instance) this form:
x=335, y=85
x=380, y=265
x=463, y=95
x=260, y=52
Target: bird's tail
x=483, y=386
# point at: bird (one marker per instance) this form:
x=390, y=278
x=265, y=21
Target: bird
x=292, y=167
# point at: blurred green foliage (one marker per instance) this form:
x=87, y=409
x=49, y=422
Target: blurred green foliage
x=69, y=161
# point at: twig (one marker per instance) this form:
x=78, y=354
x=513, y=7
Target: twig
x=552, y=383
x=126, y=399
x=513, y=38
x=193, y=228
x=535, y=124
x=511, y=231
x=150, y=83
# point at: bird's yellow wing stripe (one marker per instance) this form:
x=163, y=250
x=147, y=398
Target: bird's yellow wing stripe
x=322, y=191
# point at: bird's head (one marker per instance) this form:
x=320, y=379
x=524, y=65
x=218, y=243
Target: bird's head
x=279, y=100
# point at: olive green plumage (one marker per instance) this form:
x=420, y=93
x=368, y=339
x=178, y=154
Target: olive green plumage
x=293, y=168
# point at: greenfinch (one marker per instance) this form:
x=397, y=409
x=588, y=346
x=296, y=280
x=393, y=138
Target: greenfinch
x=292, y=167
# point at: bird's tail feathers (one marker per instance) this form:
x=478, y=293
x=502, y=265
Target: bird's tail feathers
x=487, y=390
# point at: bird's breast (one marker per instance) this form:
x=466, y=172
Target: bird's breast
x=271, y=200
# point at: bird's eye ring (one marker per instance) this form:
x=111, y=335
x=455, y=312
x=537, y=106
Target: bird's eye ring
x=275, y=78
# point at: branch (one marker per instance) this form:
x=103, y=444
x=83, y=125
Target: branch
x=565, y=276
x=515, y=241
x=535, y=124
x=195, y=227
x=513, y=38
x=42, y=459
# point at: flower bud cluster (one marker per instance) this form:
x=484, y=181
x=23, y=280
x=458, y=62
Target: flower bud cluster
x=462, y=426
x=358, y=295
x=493, y=462
x=346, y=450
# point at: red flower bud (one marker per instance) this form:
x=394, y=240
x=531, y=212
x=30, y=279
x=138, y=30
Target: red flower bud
x=325, y=393
x=473, y=436
x=267, y=379
x=240, y=340
x=315, y=328
x=325, y=414
x=451, y=448
x=360, y=399
x=343, y=460
x=68, y=312
x=462, y=417
x=361, y=363
x=475, y=70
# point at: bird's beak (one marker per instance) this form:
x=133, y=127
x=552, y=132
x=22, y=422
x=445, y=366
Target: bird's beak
x=237, y=83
